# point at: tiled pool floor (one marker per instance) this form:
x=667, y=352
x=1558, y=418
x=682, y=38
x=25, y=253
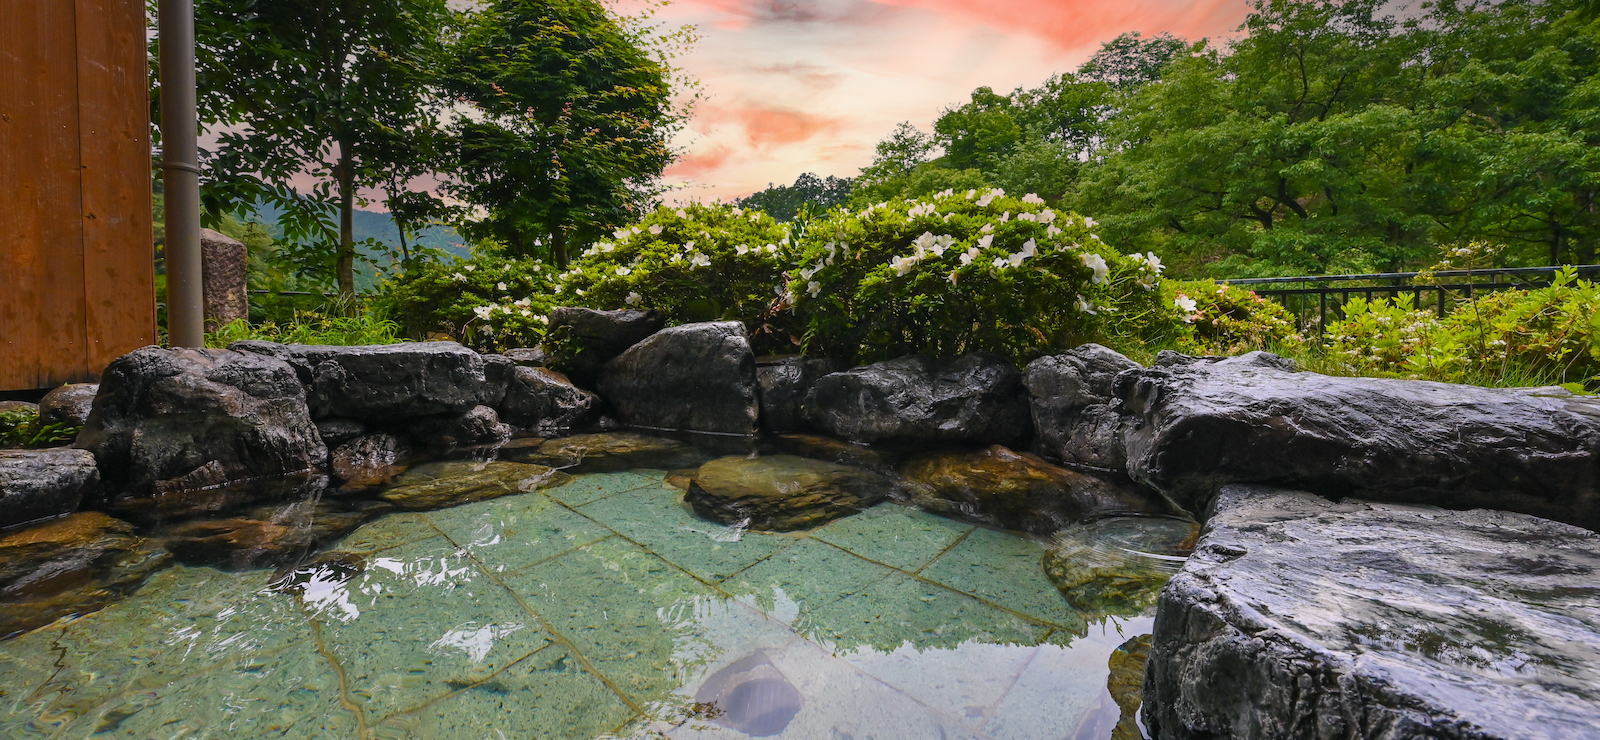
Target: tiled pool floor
x=600, y=608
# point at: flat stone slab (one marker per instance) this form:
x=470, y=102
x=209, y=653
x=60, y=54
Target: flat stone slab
x=1302, y=618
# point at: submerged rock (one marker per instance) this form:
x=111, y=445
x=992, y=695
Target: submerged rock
x=438, y=485
x=608, y=452
x=1302, y=618
x=831, y=449
x=1016, y=490
x=1118, y=565
x=1202, y=425
x=972, y=398
x=35, y=484
x=386, y=382
x=370, y=461
x=588, y=338
x=1126, y=683
x=70, y=404
x=780, y=493
x=268, y=536
x=73, y=565
x=546, y=402
x=1075, y=416
x=694, y=377
x=783, y=384
x=173, y=425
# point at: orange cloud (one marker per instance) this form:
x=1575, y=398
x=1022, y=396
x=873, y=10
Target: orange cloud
x=766, y=125
x=696, y=165
x=1077, y=23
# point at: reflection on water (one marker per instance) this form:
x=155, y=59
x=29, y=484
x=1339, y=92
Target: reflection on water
x=601, y=608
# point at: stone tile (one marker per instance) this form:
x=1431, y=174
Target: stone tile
x=840, y=702
x=547, y=694
x=387, y=531
x=1060, y=688
x=895, y=535
x=900, y=609
x=632, y=615
x=590, y=488
x=802, y=578
x=1004, y=569
x=420, y=622
x=517, y=531
x=182, y=621
x=655, y=518
x=292, y=694
x=966, y=681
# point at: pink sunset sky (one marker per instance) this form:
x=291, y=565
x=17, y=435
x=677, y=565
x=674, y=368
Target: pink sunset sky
x=793, y=86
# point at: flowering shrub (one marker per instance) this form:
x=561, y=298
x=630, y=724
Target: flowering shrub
x=488, y=302
x=1225, y=320
x=970, y=271
x=696, y=263
x=1516, y=337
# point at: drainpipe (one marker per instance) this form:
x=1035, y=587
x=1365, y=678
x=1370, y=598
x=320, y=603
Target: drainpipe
x=180, y=167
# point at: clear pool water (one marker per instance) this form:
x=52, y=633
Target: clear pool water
x=602, y=608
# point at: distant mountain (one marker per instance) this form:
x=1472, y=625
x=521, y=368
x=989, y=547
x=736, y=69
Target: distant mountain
x=375, y=225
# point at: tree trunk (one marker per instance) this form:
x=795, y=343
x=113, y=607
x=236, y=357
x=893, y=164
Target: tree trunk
x=347, y=235
x=558, y=247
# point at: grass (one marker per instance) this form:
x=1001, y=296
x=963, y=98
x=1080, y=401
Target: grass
x=21, y=429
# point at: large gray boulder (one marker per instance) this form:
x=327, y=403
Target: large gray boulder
x=783, y=384
x=390, y=382
x=581, y=340
x=1298, y=618
x=1075, y=417
x=478, y=426
x=1202, y=425
x=695, y=377
x=35, y=484
x=972, y=398
x=175, y=431
x=69, y=404
x=545, y=401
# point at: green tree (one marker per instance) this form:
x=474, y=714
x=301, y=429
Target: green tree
x=334, y=91
x=784, y=202
x=567, y=122
x=1130, y=60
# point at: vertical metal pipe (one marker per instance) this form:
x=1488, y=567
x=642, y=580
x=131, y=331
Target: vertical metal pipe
x=180, y=167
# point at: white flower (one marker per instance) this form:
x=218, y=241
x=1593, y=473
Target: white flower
x=1089, y=221
x=999, y=262
x=655, y=229
x=987, y=229
x=607, y=246
x=525, y=312
x=623, y=271
x=984, y=242
x=1186, y=305
x=681, y=213
x=1052, y=231
x=1024, y=217
x=968, y=256
x=903, y=265
x=1085, y=306
x=579, y=291
x=1016, y=259
x=633, y=298
x=1096, y=263
x=483, y=312
x=688, y=246
x=1048, y=216
x=1004, y=217
x=500, y=287
x=813, y=288
x=737, y=211
x=755, y=216
x=524, y=303
x=970, y=194
x=952, y=277
x=485, y=329
x=742, y=249
x=772, y=249
x=1149, y=261
x=700, y=260
x=469, y=268
x=1033, y=198
x=941, y=243
x=459, y=277
x=1030, y=248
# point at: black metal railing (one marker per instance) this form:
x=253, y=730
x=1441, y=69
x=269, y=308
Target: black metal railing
x=1312, y=297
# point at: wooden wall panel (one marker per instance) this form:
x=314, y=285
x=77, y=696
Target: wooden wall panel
x=119, y=250
x=75, y=174
x=41, y=246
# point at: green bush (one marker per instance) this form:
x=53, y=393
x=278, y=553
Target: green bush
x=1511, y=338
x=487, y=302
x=311, y=328
x=1226, y=320
x=970, y=271
x=21, y=429
x=696, y=263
